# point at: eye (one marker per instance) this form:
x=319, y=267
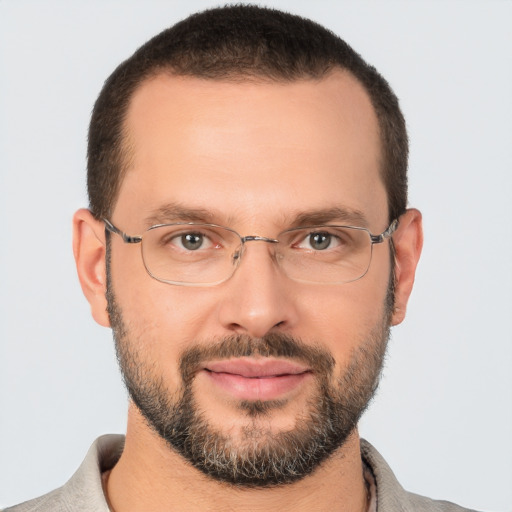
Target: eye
x=319, y=241
x=192, y=241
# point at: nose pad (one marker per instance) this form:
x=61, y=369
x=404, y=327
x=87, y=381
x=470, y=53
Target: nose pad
x=236, y=257
x=257, y=298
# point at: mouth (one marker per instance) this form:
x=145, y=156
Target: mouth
x=261, y=379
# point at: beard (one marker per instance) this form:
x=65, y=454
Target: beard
x=258, y=457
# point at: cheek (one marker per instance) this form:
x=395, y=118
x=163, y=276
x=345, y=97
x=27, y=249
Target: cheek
x=343, y=317
x=162, y=319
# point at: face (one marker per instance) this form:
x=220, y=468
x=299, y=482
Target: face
x=258, y=379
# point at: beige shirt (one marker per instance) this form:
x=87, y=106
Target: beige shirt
x=84, y=493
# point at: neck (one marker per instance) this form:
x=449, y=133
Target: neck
x=151, y=476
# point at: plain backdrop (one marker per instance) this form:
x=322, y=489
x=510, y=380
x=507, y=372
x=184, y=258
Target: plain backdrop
x=443, y=415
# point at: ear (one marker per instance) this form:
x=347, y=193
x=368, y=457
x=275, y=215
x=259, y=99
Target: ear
x=408, y=241
x=89, y=248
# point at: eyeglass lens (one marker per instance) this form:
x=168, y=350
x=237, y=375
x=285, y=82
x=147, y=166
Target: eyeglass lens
x=204, y=254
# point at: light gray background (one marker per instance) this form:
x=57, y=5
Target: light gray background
x=443, y=416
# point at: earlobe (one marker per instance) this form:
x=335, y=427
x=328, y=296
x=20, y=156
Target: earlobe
x=408, y=242
x=89, y=249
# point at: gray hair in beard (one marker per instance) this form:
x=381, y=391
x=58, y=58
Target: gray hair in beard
x=261, y=457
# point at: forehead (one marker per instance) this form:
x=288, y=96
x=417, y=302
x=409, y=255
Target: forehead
x=247, y=149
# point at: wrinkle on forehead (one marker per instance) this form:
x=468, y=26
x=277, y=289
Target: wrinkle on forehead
x=232, y=151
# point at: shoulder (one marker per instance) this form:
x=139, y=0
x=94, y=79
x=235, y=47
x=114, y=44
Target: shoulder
x=422, y=504
x=391, y=496
x=49, y=502
x=83, y=491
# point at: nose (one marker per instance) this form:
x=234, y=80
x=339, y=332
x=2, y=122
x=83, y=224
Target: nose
x=258, y=297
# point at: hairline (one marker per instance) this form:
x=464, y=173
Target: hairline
x=126, y=149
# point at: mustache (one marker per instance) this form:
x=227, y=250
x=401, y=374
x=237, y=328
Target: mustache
x=277, y=345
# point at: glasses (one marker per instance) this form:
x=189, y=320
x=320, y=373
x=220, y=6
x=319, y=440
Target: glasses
x=190, y=254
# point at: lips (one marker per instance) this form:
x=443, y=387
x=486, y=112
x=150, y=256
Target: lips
x=256, y=379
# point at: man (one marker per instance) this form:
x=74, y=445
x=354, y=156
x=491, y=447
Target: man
x=249, y=244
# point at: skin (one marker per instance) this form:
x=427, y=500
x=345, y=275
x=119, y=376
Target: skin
x=253, y=155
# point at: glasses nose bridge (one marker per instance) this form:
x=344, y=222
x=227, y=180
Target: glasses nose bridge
x=237, y=256
x=255, y=238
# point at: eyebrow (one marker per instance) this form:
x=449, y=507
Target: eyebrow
x=175, y=212
x=318, y=217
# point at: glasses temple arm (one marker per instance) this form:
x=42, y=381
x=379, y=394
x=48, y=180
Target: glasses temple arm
x=378, y=239
x=126, y=238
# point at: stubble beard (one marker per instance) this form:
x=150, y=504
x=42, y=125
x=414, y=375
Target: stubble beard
x=258, y=457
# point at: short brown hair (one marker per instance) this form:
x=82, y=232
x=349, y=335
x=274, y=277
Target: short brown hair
x=238, y=42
